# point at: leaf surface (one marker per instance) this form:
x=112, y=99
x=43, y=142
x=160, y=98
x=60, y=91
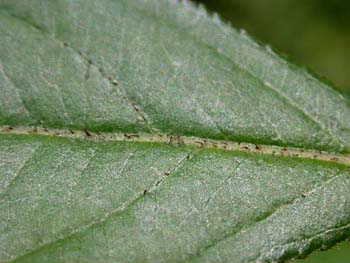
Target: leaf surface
x=157, y=86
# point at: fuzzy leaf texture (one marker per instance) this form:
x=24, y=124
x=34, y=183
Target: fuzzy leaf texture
x=150, y=131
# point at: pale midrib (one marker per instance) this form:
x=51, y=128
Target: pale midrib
x=177, y=140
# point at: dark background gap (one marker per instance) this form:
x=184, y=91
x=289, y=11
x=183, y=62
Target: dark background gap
x=313, y=33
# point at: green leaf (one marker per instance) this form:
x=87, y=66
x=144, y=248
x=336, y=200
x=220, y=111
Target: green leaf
x=147, y=130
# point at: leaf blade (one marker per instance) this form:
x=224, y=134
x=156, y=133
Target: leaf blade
x=213, y=110
x=243, y=178
x=230, y=89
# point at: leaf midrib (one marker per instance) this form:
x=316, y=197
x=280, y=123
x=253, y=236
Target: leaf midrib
x=190, y=141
